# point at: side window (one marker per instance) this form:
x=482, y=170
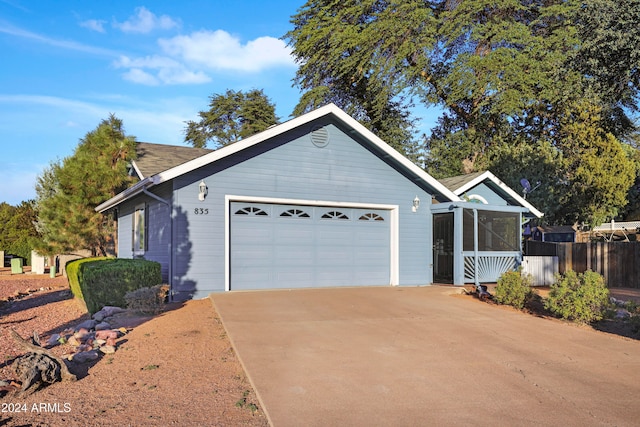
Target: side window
x=139, y=240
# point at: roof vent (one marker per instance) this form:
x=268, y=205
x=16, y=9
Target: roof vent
x=320, y=137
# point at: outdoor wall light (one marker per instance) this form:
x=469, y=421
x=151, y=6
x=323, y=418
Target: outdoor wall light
x=416, y=204
x=202, y=194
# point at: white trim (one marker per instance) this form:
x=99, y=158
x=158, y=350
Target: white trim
x=394, y=241
x=137, y=169
x=490, y=176
x=278, y=130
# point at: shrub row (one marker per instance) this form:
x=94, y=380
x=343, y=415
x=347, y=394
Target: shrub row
x=580, y=297
x=106, y=281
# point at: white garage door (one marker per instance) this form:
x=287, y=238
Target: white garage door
x=287, y=246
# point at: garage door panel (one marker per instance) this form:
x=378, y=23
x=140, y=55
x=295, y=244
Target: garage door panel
x=294, y=246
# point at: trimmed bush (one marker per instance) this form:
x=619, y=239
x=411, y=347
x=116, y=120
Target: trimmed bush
x=514, y=288
x=73, y=274
x=105, y=281
x=581, y=297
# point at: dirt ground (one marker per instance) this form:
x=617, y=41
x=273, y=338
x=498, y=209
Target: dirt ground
x=176, y=368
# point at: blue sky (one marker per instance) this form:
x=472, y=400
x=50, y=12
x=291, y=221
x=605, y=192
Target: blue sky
x=68, y=65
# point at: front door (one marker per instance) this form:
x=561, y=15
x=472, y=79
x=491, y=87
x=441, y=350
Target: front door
x=443, y=247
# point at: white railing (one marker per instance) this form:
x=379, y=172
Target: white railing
x=617, y=226
x=490, y=265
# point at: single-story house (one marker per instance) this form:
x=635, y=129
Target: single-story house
x=317, y=201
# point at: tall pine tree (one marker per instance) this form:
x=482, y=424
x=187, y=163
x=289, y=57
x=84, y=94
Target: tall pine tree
x=69, y=190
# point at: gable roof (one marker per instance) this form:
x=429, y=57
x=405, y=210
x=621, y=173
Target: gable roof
x=463, y=183
x=155, y=158
x=378, y=145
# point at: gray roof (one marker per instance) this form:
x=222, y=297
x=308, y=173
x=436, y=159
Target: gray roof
x=156, y=158
x=455, y=182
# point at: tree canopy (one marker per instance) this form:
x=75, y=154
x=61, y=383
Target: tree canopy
x=17, y=228
x=510, y=77
x=70, y=189
x=230, y=118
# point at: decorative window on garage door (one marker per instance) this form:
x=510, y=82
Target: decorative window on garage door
x=334, y=215
x=371, y=217
x=295, y=213
x=251, y=210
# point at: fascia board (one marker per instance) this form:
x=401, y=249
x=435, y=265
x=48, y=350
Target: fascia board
x=137, y=169
x=504, y=187
x=123, y=196
x=477, y=180
x=402, y=160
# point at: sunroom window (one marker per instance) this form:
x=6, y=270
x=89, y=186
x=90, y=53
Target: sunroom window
x=497, y=231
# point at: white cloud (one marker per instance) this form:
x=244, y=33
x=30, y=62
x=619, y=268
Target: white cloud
x=145, y=21
x=65, y=44
x=136, y=75
x=94, y=25
x=153, y=61
x=167, y=71
x=187, y=58
x=219, y=50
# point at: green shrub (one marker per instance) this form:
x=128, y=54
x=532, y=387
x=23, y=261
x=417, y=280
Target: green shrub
x=105, y=281
x=580, y=297
x=514, y=288
x=74, y=275
x=147, y=300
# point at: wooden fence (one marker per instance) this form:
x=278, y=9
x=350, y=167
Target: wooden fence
x=618, y=262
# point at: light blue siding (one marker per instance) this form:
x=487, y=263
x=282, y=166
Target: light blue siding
x=158, y=228
x=288, y=166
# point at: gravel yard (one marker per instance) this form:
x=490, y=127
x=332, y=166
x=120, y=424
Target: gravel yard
x=176, y=368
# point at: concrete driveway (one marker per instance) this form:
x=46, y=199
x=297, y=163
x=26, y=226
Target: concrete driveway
x=424, y=356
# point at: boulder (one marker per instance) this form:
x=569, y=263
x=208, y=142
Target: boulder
x=107, y=311
x=54, y=340
x=87, y=324
x=85, y=356
x=103, y=335
x=102, y=326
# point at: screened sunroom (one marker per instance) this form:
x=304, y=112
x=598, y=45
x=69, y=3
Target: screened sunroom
x=475, y=243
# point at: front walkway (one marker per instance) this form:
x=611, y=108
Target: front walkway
x=423, y=356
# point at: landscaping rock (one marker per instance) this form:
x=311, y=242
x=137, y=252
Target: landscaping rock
x=103, y=335
x=102, y=326
x=108, y=349
x=81, y=334
x=87, y=324
x=85, y=356
x=54, y=340
x=73, y=341
x=622, y=314
x=107, y=311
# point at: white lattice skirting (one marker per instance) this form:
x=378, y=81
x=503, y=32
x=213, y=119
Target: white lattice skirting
x=490, y=267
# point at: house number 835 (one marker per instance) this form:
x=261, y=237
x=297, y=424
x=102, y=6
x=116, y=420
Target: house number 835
x=201, y=211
